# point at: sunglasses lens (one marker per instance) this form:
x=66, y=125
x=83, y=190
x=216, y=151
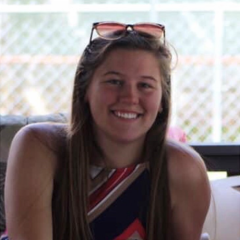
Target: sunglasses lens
x=149, y=30
x=110, y=30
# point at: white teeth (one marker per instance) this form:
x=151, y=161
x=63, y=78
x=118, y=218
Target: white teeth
x=126, y=115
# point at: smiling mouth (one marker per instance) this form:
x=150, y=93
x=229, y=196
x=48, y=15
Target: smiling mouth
x=125, y=115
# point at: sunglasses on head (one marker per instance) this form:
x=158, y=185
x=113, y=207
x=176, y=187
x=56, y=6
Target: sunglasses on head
x=114, y=30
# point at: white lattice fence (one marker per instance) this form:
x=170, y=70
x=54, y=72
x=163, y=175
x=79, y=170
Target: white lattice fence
x=40, y=48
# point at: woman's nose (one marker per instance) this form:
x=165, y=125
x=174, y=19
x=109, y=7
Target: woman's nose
x=129, y=94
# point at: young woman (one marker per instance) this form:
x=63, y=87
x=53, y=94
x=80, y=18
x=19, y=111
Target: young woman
x=110, y=173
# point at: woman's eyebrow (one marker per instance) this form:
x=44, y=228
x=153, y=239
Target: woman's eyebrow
x=149, y=77
x=112, y=72
x=146, y=77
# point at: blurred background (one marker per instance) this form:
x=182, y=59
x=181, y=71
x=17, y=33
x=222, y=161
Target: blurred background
x=42, y=40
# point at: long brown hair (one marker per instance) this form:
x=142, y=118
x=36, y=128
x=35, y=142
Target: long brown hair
x=70, y=200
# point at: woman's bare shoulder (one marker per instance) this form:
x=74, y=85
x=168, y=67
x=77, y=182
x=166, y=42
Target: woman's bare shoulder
x=32, y=166
x=183, y=158
x=189, y=190
x=186, y=169
x=44, y=130
x=48, y=134
x=38, y=141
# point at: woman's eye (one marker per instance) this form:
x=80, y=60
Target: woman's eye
x=115, y=82
x=145, y=85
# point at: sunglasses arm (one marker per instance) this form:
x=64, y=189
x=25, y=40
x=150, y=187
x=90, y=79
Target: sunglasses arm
x=90, y=40
x=164, y=36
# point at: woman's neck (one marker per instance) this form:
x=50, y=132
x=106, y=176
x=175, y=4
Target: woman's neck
x=119, y=155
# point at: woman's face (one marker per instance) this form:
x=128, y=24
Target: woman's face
x=125, y=95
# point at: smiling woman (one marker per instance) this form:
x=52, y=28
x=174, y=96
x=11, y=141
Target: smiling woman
x=110, y=173
x=124, y=102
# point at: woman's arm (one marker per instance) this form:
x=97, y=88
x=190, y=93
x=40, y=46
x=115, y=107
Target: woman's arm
x=190, y=192
x=29, y=185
